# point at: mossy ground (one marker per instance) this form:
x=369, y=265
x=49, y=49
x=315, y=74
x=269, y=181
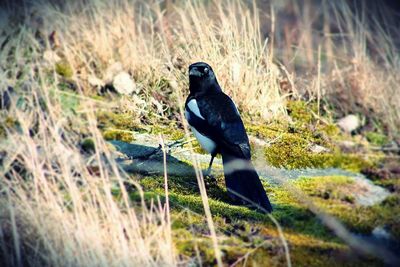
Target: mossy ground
x=246, y=233
x=248, y=236
x=251, y=237
x=291, y=142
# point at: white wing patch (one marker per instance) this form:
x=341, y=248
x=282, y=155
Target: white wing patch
x=192, y=105
x=205, y=142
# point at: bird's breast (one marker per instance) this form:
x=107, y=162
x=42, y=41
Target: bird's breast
x=206, y=143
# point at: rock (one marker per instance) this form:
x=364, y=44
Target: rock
x=257, y=141
x=275, y=71
x=148, y=159
x=349, y=123
x=144, y=155
x=314, y=148
x=391, y=147
x=367, y=193
x=124, y=84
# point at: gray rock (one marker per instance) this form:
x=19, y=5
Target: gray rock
x=317, y=149
x=124, y=84
x=349, y=123
x=146, y=157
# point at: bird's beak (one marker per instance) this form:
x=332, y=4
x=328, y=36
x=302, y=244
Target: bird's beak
x=195, y=72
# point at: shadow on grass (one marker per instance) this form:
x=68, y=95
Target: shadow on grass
x=149, y=160
x=184, y=195
x=184, y=192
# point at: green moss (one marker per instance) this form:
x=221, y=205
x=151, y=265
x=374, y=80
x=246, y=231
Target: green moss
x=331, y=130
x=289, y=152
x=198, y=149
x=171, y=131
x=188, y=185
x=291, y=143
x=350, y=162
x=376, y=138
x=243, y=231
x=327, y=192
x=108, y=119
x=302, y=112
x=177, y=134
x=332, y=195
x=121, y=135
x=386, y=214
x=292, y=151
x=266, y=131
x=64, y=69
x=306, y=235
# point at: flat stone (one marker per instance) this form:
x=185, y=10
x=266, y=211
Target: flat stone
x=349, y=123
x=124, y=84
x=317, y=149
x=364, y=192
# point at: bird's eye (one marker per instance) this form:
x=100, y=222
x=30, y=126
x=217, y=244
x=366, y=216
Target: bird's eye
x=205, y=70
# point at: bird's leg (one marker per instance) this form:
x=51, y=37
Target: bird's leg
x=208, y=171
x=210, y=165
x=210, y=180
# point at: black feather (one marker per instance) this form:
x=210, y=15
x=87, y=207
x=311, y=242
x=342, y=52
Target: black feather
x=244, y=185
x=223, y=125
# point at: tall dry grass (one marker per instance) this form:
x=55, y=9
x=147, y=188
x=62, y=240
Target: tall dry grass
x=57, y=203
x=355, y=47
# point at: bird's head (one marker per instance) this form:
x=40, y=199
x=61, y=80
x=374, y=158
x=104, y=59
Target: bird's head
x=202, y=78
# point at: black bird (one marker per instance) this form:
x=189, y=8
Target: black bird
x=217, y=125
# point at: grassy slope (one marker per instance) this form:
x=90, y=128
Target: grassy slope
x=252, y=237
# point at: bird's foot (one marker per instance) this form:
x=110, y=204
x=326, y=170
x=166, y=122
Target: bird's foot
x=210, y=180
x=207, y=173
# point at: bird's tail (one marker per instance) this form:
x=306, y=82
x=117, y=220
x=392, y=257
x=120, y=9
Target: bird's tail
x=243, y=183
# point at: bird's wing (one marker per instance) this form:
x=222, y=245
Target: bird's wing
x=220, y=121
